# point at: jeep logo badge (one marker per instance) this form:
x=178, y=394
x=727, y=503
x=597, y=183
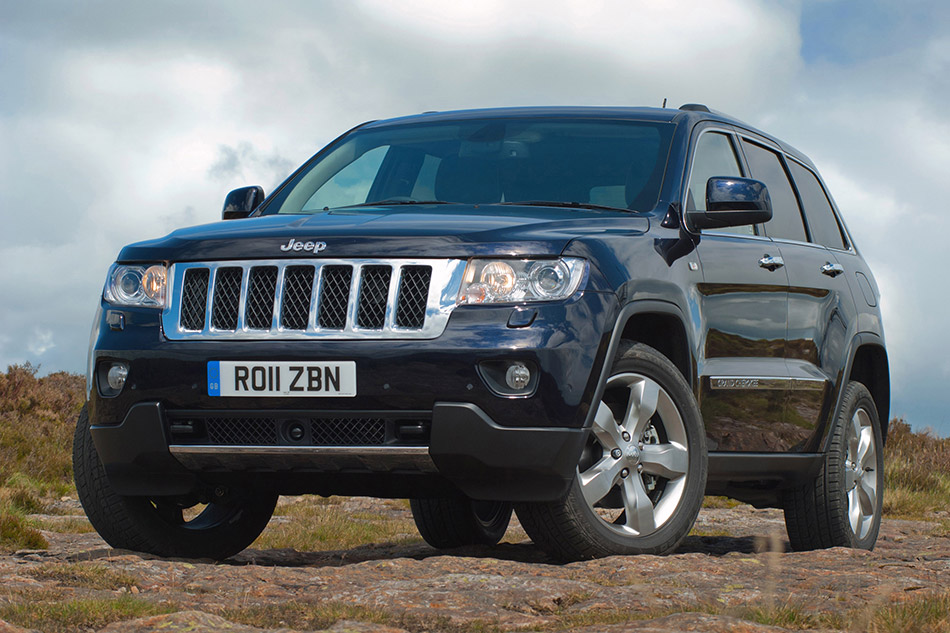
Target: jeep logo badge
x=310, y=247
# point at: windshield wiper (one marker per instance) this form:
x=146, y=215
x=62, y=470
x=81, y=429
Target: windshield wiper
x=393, y=201
x=567, y=205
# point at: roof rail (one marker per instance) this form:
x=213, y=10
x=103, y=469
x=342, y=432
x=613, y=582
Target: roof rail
x=695, y=107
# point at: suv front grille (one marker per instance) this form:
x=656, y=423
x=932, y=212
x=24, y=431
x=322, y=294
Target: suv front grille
x=327, y=298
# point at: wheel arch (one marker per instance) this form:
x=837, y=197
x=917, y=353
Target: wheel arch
x=659, y=324
x=869, y=366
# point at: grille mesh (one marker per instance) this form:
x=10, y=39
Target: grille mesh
x=413, y=296
x=262, y=284
x=374, y=291
x=242, y=431
x=194, y=296
x=347, y=431
x=298, y=286
x=227, y=296
x=334, y=296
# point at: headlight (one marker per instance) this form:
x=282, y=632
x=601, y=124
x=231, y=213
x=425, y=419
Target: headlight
x=517, y=280
x=135, y=285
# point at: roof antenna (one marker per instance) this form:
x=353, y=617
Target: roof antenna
x=664, y=102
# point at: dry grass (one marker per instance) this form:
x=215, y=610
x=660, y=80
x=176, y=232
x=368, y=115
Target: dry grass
x=18, y=532
x=916, y=473
x=65, y=525
x=84, y=575
x=36, y=426
x=315, y=524
x=720, y=502
x=312, y=616
x=72, y=616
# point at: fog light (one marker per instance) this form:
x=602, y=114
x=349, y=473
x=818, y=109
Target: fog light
x=117, y=375
x=518, y=376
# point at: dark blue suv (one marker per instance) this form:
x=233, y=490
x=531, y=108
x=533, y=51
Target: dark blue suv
x=594, y=316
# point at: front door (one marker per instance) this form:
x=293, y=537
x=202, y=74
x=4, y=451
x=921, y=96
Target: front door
x=743, y=302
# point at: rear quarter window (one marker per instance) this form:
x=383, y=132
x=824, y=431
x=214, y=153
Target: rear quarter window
x=821, y=218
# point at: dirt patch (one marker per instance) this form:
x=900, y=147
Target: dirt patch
x=733, y=573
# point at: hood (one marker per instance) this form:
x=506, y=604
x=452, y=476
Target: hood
x=390, y=231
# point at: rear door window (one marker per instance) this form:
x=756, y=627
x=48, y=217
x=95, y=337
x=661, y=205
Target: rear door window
x=767, y=166
x=822, y=223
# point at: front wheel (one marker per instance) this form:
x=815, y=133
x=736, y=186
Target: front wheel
x=642, y=475
x=179, y=527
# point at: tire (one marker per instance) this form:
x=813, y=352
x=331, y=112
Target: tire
x=842, y=505
x=449, y=523
x=156, y=525
x=649, y=460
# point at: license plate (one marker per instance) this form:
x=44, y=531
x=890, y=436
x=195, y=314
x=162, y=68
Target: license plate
x=311, y=379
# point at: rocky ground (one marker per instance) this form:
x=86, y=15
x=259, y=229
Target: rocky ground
x=732, y=574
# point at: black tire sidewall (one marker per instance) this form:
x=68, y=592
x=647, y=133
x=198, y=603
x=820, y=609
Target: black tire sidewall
x=856, y=397
x=491, y=532
x=132, y=523
x=644, y=360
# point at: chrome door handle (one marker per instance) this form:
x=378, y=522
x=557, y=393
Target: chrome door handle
x=771, y=263
x=832, y=270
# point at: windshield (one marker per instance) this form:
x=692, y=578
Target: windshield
x=572, y=162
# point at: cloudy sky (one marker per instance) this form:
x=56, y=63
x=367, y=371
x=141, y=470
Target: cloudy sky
x=122, y=121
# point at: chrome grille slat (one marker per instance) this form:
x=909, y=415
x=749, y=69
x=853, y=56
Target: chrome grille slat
x=317, y=298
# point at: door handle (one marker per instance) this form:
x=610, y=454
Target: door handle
x=771, y=263
x=832, y=270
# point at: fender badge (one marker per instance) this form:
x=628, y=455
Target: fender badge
x=310, y=247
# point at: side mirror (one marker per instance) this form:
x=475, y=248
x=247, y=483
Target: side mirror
x=733, y=202
x=241, y=202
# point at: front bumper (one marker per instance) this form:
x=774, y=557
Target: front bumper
x=486, y=445
x=467, y=452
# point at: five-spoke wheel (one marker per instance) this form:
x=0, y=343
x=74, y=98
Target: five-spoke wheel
x=642, y=475
x=639, y=454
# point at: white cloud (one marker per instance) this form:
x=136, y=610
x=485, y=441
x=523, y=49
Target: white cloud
x=119, y=125
x=40, y=342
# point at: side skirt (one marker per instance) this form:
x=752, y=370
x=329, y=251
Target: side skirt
x=760, y=478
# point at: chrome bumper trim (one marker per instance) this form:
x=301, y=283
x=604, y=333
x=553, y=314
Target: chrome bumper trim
x=315, y=458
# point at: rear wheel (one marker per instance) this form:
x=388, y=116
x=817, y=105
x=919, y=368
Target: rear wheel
x=641, y=478
x=166, y=526
x=842, y=505
x=449, y=523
